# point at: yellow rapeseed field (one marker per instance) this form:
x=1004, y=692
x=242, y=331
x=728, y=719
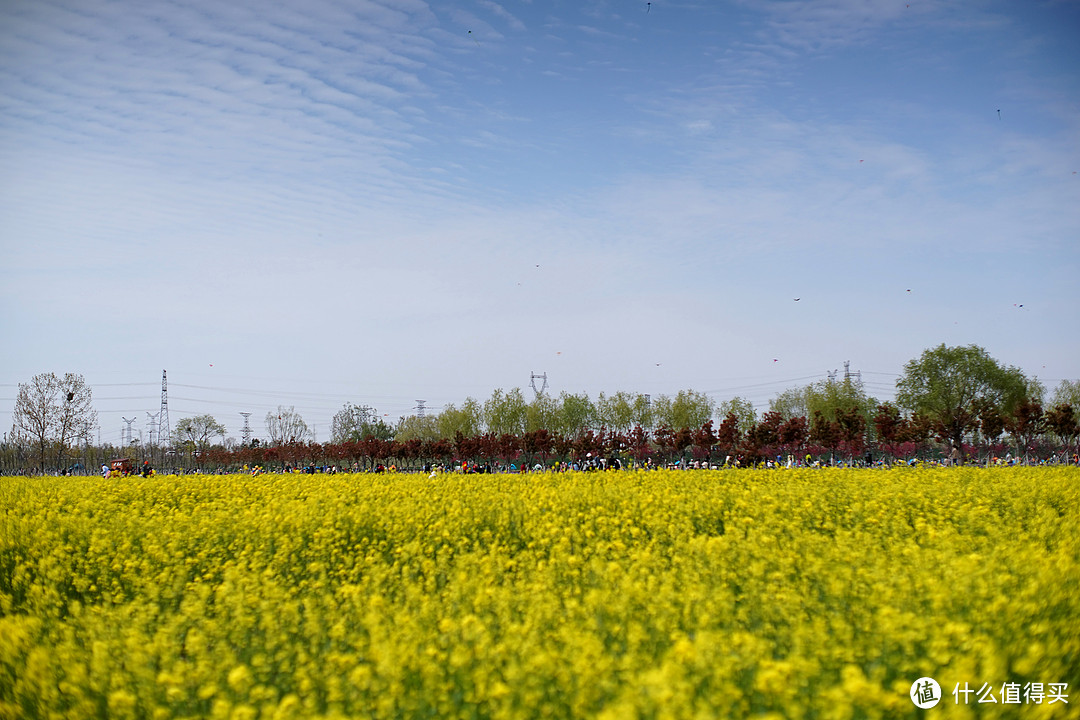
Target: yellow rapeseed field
x=697, y=594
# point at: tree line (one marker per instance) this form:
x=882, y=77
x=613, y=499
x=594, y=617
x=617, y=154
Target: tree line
x=948, y=397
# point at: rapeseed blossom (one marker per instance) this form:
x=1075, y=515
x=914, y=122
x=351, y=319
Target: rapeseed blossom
x=665, y=594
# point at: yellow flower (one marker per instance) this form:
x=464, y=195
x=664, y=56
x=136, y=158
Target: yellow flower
x=688, y=594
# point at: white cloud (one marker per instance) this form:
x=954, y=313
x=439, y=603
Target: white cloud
x=502, y=13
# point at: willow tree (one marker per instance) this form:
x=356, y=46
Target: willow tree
x=506, y=412
x=464, y=421
x=688, y=409
x=616, y=411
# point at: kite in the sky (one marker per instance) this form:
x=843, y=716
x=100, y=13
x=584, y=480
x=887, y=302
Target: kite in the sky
x=474, y=39
x=648, y=8
x=999, y=113
x=776, y=359
x=798, y=299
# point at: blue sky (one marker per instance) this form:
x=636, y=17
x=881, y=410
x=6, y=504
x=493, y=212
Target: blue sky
x=319, y=202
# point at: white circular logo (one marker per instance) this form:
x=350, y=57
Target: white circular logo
x=925, y=692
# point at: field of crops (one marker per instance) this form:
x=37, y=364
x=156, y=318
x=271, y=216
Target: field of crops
x=697, y=594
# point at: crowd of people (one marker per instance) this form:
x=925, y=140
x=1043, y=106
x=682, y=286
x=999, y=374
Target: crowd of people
x=590, y=463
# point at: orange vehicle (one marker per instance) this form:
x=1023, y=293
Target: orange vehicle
x=120, y=467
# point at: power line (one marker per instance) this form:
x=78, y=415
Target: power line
x=762, y=385
x=269, y=393
x=135, y=384
x=124, y=397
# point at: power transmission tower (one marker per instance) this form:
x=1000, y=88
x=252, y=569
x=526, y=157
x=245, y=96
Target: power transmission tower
x=848, y=373
x=420, y=408
x=125, y=434
x=245, y=432
x=833, y=375
x=532, y=383
x=151, y=426
x=164, y=431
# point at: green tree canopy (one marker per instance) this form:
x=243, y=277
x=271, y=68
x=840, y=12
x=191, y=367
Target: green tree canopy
x=616, y=411
x=643, y=414
x=1067, y=393
x=951, y=386
x=542, y=414
x=688, y=409
x=465, y=420
x=505, y=413
x=791, y=403
x=357, y=422
x=831, y=398
x=198, y=431
x=576, y=414
x=414, y=427
x=742, y=409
